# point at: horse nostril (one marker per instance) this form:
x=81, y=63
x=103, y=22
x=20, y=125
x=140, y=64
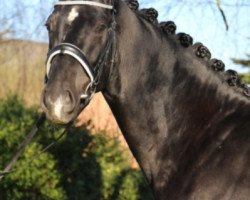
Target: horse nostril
x=45, y=99
x=69, y=97
x=69, y=101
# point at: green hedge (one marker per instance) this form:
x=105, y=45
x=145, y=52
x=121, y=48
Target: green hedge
x=80, y=166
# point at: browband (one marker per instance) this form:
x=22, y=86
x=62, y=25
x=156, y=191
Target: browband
x=91, y=3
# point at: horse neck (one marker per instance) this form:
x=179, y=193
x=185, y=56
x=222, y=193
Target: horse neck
x=162, y=96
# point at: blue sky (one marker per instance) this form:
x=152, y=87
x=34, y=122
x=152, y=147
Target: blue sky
x=200, y=19
x=204, y=23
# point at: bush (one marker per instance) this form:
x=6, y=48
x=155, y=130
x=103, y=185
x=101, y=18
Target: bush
x=80, y=166
x=36, y=180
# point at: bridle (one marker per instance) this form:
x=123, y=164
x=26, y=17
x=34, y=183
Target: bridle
x=94, y=73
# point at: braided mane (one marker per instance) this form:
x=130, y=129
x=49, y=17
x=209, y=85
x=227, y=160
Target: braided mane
x=230, y=76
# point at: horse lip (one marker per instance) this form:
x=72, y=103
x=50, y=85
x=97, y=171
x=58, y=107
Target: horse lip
x=64, y=120
x=57, y=120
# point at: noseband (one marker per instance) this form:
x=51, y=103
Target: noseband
x=72, y=50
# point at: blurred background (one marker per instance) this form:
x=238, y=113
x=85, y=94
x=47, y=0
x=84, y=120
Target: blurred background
x=92, y=162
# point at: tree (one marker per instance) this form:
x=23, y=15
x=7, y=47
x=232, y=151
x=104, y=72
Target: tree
x=244, y=63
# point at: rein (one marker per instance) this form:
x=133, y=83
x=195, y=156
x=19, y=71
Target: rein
x=22, y=146
x=94, y=73
x=8, y=168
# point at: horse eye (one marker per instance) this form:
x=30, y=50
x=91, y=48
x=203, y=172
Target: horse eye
x=47, y=26
x=100, y=28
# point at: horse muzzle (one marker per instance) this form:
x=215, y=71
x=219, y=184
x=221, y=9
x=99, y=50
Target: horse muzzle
x=59, y=109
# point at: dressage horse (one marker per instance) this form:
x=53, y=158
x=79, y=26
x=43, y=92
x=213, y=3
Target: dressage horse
x=186, y=126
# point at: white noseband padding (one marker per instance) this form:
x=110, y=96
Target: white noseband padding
x=76, y=53
x=57, y=51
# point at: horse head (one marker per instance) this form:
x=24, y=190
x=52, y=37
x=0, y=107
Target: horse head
x=81, y=35
x=183, y=123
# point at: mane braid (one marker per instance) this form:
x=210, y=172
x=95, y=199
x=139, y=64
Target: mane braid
x=133, y=5
x=168, y=28
x=149, y=14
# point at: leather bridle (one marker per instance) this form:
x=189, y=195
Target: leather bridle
x=94, y=73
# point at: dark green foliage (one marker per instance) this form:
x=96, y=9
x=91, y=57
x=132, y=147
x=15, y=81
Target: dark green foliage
x=80, y=166
x=36, y=180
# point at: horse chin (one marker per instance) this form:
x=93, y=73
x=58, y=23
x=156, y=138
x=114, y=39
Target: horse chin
x=63, y=120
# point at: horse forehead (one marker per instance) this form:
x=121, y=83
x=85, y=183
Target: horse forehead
x=73, y=14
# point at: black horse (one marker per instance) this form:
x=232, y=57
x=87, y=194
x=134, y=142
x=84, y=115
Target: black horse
x=187, y=128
